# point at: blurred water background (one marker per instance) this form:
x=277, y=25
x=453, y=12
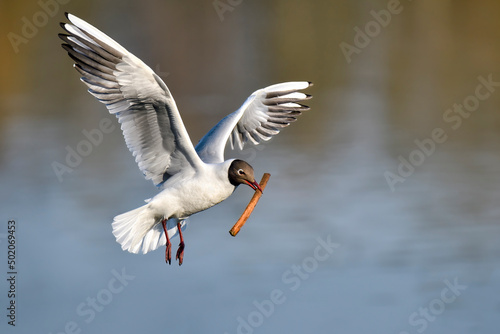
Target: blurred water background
x=415, y=250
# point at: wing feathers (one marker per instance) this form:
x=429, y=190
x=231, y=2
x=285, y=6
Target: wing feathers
x=151, y=124
x=149, y=118
x=261, y=117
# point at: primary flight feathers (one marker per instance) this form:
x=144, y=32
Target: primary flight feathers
x=149, y=118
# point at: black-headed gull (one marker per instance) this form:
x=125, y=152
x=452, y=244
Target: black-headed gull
x=191, y=179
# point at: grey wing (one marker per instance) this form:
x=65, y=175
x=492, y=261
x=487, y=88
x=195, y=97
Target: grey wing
x=149, y=118
x=263, y=115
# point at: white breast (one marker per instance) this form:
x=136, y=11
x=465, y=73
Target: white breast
x=186, y=194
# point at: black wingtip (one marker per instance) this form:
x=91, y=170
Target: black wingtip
x=63, y=25
x=67, y=47
x=67, y=15
x=310, y=83
x=63, y=36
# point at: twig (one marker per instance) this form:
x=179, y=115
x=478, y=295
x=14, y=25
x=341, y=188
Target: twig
x=251, y=205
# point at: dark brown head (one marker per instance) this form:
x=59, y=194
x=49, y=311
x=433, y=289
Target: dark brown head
x=241, y=172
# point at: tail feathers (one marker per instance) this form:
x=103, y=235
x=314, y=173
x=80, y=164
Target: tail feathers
x=138, y=230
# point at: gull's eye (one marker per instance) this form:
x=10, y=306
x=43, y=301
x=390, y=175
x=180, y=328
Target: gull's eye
x=241, y=172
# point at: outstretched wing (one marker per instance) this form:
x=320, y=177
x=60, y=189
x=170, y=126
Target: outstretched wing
x=263, y=115
x=149, y=118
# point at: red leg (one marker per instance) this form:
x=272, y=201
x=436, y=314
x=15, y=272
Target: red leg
x=180, y=250
x=168, y=251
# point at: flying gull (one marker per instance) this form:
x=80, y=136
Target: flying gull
x=190, y=178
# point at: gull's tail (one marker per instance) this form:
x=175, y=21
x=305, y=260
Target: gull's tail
x=139, y=230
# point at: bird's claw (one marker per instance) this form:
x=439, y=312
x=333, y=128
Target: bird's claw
x=180, y=253
x=168, y=253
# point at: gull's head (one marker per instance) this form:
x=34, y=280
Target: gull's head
x=241, y=172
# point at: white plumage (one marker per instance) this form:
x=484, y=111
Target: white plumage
x=191, y=178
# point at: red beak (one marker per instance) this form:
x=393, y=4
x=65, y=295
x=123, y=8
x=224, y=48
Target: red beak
x=254, y=185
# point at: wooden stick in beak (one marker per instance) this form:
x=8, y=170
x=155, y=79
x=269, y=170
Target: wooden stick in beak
x=251, y=205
